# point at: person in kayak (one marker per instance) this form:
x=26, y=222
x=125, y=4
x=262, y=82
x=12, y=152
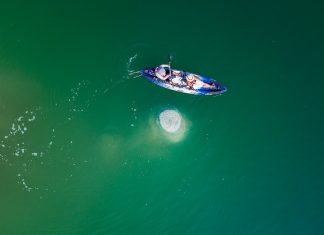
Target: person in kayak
x=163, y=71
x=194, y=82
x=191, y=80
x=176, y=78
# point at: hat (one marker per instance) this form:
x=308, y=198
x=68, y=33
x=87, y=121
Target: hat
x=190, y=77
x=162, y=71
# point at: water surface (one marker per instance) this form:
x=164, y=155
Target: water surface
x=81, y=151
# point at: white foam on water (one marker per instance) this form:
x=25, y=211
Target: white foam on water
x=18, y=152
x=26, y=156
x=131, y=73
x=134, y=111
x=131, y=59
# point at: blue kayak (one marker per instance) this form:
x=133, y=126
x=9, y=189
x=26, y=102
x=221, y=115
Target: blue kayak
x=182, y=81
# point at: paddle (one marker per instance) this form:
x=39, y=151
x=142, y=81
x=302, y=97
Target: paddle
x=170, y=57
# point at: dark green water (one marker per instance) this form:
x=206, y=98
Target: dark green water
x=81, y=151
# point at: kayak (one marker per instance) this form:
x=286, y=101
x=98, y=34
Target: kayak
x=181, y=81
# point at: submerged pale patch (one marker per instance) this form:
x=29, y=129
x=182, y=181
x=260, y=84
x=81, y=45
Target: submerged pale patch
x=174, y=124
x=170, y=120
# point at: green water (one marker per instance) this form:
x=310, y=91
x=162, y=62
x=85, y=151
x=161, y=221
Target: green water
x=81, y=151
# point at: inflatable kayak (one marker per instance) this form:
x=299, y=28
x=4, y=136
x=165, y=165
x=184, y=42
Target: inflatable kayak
x=181, y=81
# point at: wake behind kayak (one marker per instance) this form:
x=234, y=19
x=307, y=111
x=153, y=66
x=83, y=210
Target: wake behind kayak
x=182, y=81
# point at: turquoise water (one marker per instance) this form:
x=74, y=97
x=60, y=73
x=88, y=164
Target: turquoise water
x=81, y=149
